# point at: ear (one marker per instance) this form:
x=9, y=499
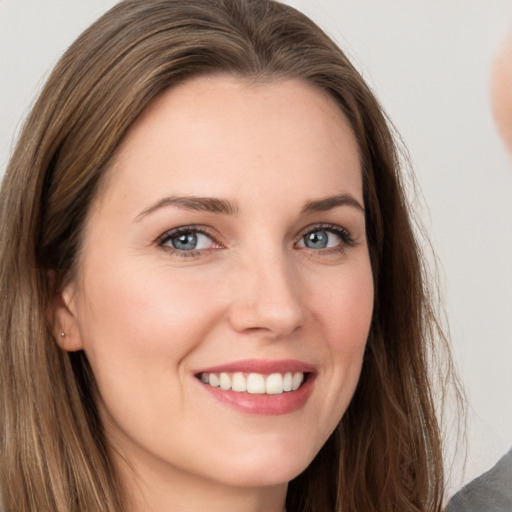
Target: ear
x=64, y=320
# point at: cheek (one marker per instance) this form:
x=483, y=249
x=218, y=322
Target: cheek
x=347, y=308
x=344, y=311
x=134, y=321
x=138, y=329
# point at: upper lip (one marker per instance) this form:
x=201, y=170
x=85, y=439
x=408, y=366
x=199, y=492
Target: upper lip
x=263, y=366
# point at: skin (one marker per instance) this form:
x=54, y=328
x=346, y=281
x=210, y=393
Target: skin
x=501, y=90
x=149, y=317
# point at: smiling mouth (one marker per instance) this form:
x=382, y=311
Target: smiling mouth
x=255, y=383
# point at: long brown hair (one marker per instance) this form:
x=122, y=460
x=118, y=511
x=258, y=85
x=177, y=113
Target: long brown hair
x=386, y=453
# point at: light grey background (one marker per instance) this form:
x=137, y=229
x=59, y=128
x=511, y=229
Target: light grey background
x=429, y=64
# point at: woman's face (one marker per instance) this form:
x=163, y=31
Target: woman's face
x=226, y=248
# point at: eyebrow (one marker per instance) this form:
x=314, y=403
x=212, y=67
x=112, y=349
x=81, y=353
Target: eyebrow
x=223, y=207
x=192, y=203
x=328, y=203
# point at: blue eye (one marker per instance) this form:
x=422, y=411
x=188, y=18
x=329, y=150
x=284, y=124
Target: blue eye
x=184, y=242
x=316, y=239
x=329, y=237
x=187, y=240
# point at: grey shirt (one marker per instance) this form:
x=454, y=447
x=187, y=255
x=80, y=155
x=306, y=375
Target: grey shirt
x=490, y=492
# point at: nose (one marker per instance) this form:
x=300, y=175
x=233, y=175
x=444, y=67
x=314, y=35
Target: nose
x=267, y=298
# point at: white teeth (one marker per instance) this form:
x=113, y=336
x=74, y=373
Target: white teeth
x=213, y=380
x=238, y=382
x=287, y=381
x=297, y=380
x=274, y=384
x=225, y=381
x=255, y=383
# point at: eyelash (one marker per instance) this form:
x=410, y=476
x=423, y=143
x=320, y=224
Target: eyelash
x=346, y=238
x=182, y=230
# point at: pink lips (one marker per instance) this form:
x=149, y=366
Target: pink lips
x=263, y=404
x=266, y=367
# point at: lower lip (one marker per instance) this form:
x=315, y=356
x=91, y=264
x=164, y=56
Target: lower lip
x=268, y=405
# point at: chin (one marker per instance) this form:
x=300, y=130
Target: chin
x=261, y=468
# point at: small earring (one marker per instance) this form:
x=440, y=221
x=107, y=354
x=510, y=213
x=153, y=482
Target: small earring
x=62, y=334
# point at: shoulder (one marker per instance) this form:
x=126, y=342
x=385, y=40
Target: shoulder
x=490, y=492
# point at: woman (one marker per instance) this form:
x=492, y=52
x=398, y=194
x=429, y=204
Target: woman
x=216, y=299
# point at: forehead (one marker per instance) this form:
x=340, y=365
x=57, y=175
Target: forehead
x=220, y=135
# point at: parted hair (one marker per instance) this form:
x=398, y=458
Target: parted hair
x=385, y=455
